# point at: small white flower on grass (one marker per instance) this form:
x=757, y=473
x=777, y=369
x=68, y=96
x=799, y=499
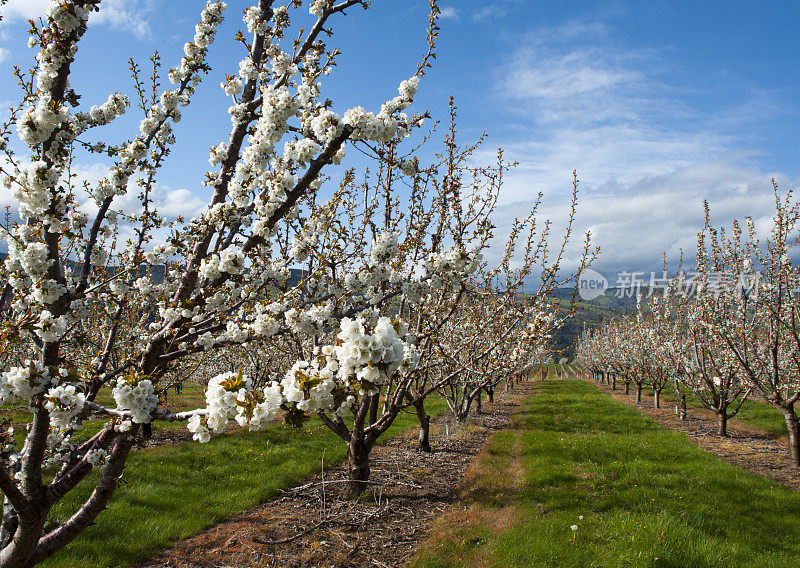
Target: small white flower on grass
x=580, y=517
x=573, y=527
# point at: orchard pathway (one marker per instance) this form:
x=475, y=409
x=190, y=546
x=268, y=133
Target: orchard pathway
x=585, y=481
x=314, y=524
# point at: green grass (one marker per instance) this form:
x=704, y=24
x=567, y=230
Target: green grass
x=172, y=492
x=648, y=497
x=764, y=416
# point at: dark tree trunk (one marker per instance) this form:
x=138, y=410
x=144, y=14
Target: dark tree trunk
x=358, y=458
x=638, y=394
x=10, y=524
x=793, y=426
x=613, y=382
x=490, y=392
x=627, y=387
x=463, y=411
x=657, y=397
x=424, y=427
x=425, y=435
x=722, y=424
x=466, y=403
x=682, y=407
x=479, y=401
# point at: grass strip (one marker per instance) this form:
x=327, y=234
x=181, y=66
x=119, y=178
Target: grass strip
x=647, y=497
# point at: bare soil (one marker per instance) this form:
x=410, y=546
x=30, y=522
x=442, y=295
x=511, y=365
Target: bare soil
x=749, y=447
x=167, y=436
x=315, y=524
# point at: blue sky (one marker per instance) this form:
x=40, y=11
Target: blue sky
x=657, y=104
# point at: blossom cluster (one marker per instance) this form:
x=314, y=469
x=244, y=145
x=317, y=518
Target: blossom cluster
x=369, y=358
x=231, y=396
x=64, y=403
x=97, y=457
x=137, y=396
x=24, y=382
x=366, y=354
x=58, y=447
x=451, y=266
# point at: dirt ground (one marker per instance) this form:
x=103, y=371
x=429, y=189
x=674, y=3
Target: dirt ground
x=315, y=525
x=748, y=447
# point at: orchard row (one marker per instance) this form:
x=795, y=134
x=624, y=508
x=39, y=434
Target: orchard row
x=293, y=294
x=729, y=333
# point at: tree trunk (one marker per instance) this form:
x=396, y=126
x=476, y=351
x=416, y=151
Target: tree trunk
x=722, y=424
x=627, y=387
x=479, y=401
x=358, y=457
x=638, y=394
x=463, y=408
x=463, y=411
x=424, y=427
x=147, y=431
x=793, y=426
x=490, y=392
x=682, y=411
x=613, y=382
x=657, y=397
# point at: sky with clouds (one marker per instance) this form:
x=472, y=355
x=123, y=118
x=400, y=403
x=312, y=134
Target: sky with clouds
x=657, y=105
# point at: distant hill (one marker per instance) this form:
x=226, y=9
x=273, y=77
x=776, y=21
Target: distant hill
x=587, y=314
x=617, y=298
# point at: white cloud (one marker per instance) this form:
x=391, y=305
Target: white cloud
x=490, y=12
x=495, y=10
x=449, y=13
x=24, y=9
x=646, y=158
x=562, y=78
x=170, y=203
x=635, y=222
x=3, y=54
x=180, y=202
x=126, y=15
